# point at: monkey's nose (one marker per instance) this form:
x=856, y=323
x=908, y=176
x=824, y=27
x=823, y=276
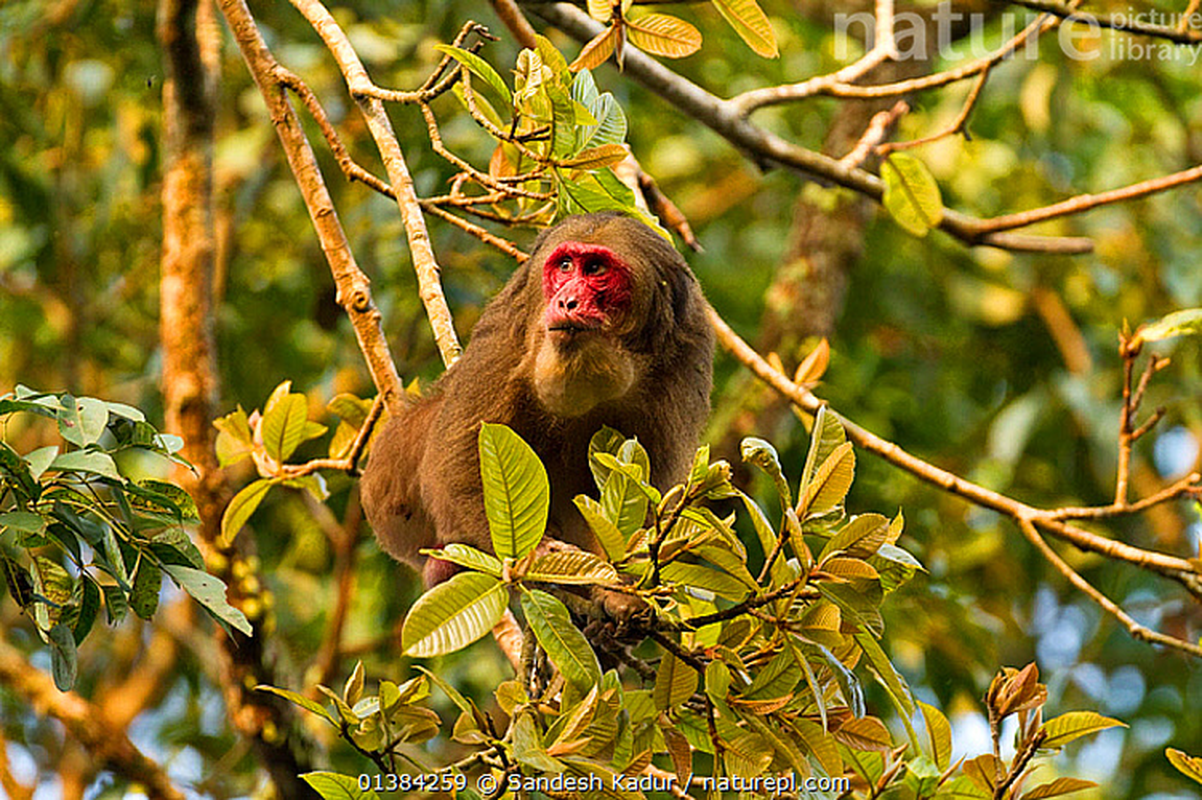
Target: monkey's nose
x=568, y=303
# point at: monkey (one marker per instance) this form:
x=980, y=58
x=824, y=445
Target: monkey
x=604, y=324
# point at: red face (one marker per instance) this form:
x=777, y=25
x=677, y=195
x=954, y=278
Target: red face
x=584, y=285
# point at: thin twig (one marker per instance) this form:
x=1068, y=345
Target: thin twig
x=1137, y=631
x=1178, y=569
x=424, y=262
x=957, y=126
x=1127, y=23
x=1085, y=202
x=1184, y=487
x=504, y=245
x=878, y=128
x=725, y=118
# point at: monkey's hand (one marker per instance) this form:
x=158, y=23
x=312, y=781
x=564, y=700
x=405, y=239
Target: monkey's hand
x=627, y=610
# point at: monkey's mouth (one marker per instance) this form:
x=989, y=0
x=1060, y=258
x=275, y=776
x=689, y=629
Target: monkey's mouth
x=573, y=327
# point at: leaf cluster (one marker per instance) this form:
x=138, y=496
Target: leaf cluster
x=80, y=530
x=750, y=675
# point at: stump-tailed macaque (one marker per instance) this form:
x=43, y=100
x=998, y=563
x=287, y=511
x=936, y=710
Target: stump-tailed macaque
x=604, y=324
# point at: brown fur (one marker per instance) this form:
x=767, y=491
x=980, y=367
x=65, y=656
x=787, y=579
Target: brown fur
x=648, y=375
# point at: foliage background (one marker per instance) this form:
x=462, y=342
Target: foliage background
x=951, y=352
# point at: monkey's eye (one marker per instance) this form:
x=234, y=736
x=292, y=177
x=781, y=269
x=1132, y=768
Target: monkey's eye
x=565, y=264
x=594, y=266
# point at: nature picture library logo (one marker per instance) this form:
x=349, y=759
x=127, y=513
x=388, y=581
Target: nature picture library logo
x=1130, y=35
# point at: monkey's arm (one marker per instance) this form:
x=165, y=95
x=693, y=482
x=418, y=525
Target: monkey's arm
x=391, y=489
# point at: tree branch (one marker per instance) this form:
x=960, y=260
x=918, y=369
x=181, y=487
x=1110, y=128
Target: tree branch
x=106, y=743
x=726, y=118
x=1180, y=34
x=372, y=107
x=1178, y=569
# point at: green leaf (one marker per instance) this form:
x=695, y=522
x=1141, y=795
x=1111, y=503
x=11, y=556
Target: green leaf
x=606, y=440
x=563, y=122
x=886, y=673
x=763, y=455
x=453, y=614
x=115, y=604
x=610, y=538
x=93, y=462
x=675, y=682
x=826, y=435
x=1180, y=323
x=777, y=679
x=623, y=502
x=479, y=67
x=148, y=579
x=697, y=576
x=241, y=507
x=528, y=747
x=451, y=692
x=517, y=493
x=23, y=521
x=467, y=556
x=82, y=421
x=336, y=786
x=1190, y=766
x=173, y=546
x=40, y=460
x=302, y=701
x=751, y=23
x=610, y=128
x=209, y=591
x=1061, y=730
x=64, y=664
x=89, y=607
x=912, y=195
x=746, y=754
x=717, y=680
x=564, y=643
x=284, y=426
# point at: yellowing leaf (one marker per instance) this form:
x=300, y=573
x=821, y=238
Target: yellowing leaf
x=663, y=35
x=940, y=733
x=985, y=772
x=865, y=733
x=596, y=157
x=1190, y=766
x=849, y=568
x=1058, y=787
x=832, y=480
x=571, y=567
x=675, y=682
x=1179, y=323
x=600, y=10
x=597, y=50
x=453, y=614
x=1063, y=729
x=912, y=196
x=813, y=367
x=751, y=23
